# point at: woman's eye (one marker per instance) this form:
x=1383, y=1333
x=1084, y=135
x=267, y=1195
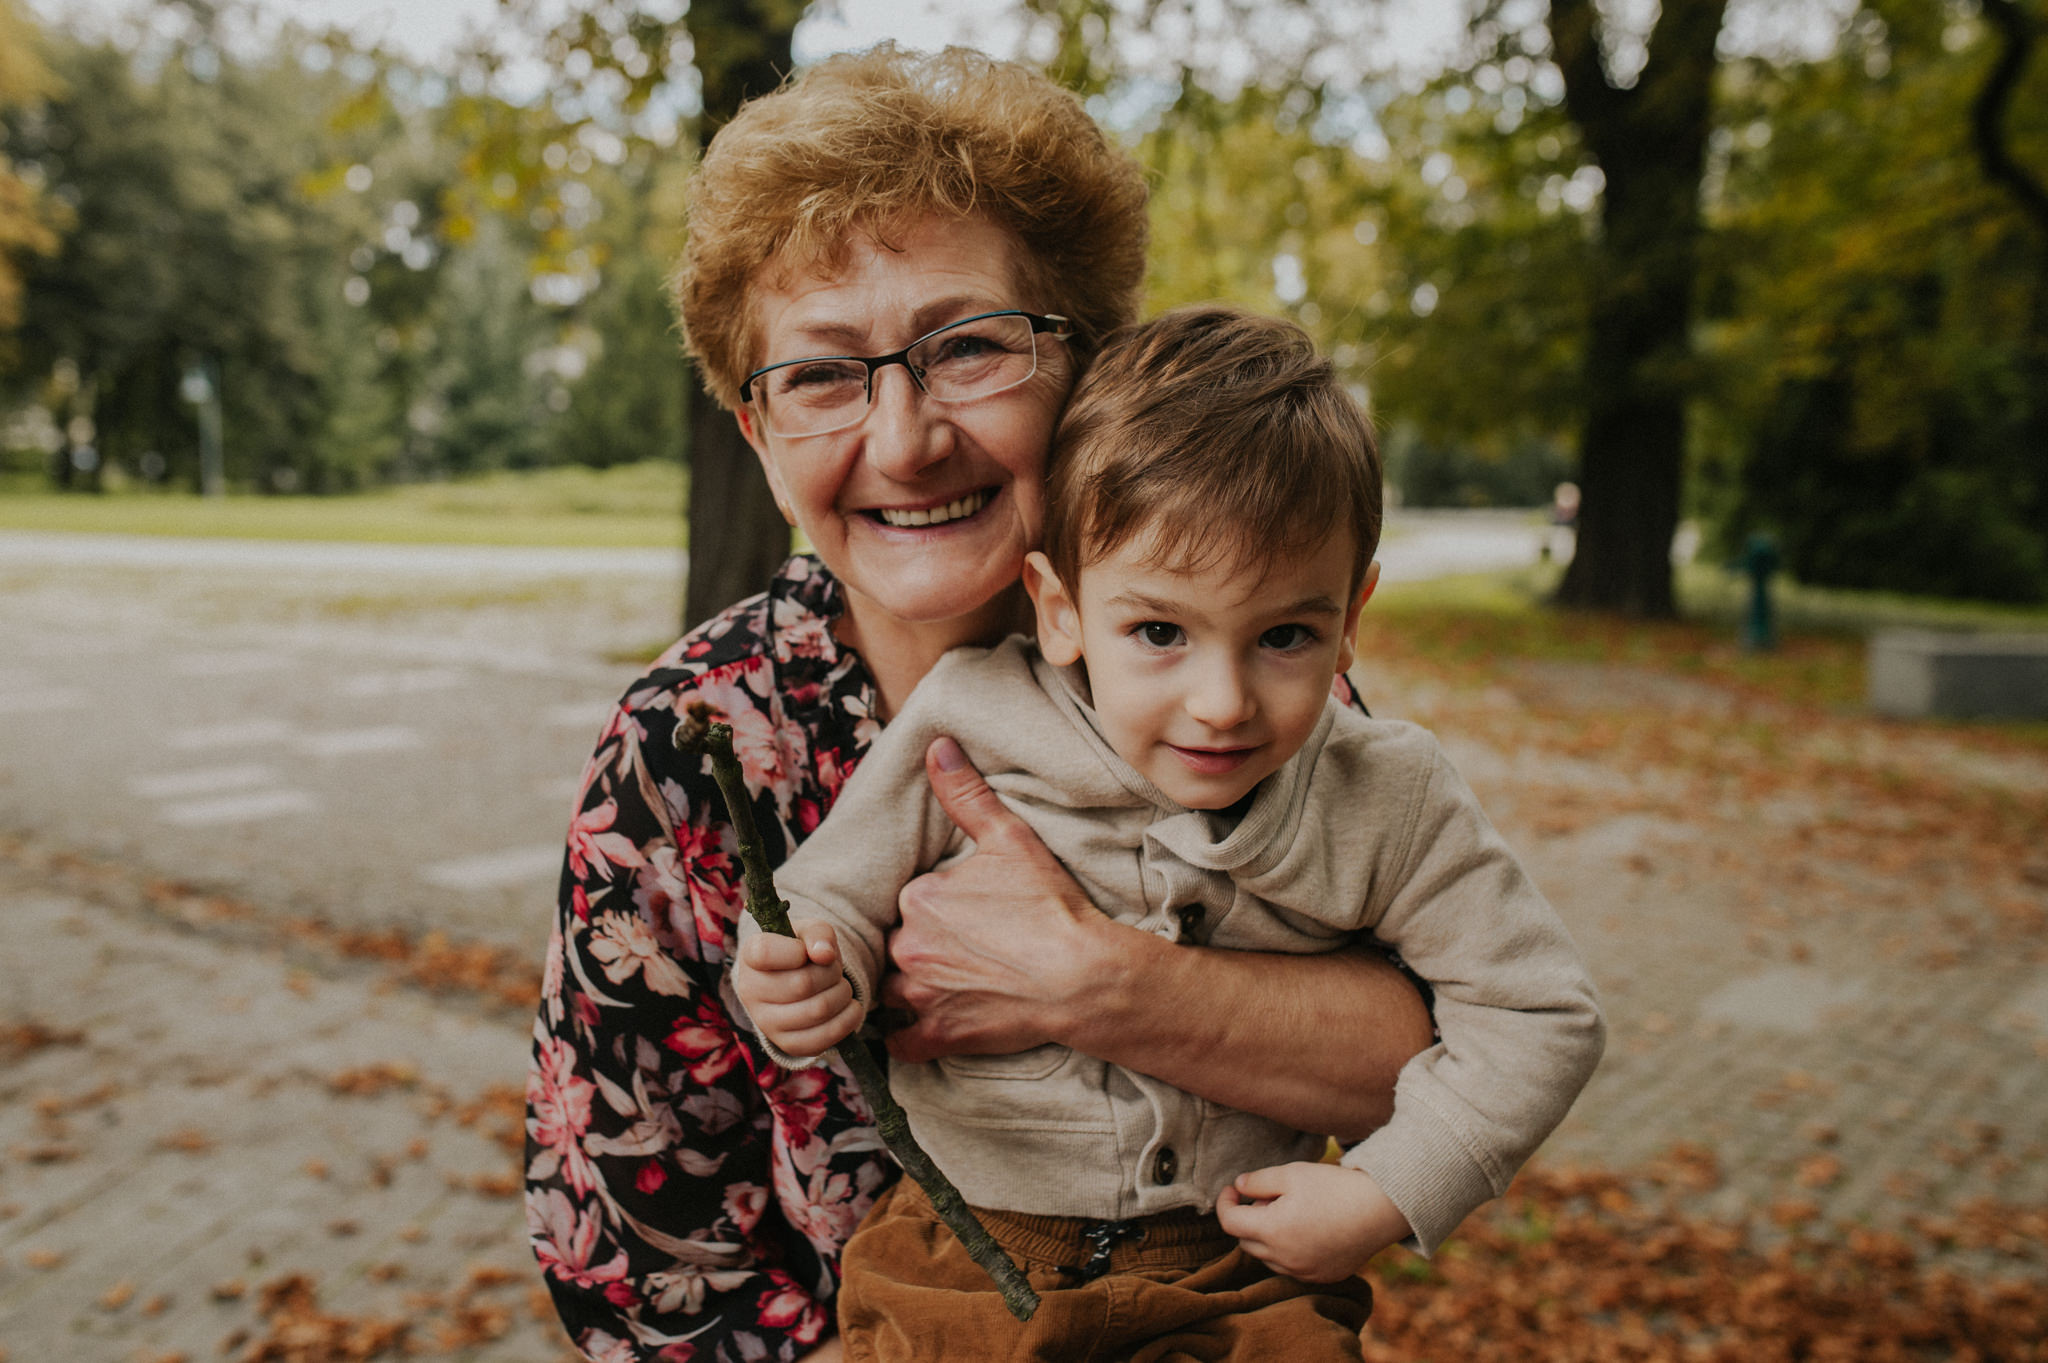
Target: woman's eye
x=1287, y=638
x=1159, y=634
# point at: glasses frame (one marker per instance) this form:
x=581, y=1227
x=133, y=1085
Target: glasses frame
x=1042, y=324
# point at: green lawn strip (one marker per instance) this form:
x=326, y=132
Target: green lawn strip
x=626, y=507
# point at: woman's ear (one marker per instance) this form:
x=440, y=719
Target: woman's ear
x=1347, y=651
x=1059, y=619
x=758, y=439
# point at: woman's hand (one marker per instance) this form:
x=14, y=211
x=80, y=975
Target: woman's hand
x=831, y=1351
x=1316, y=1222
x=794, y=990
x=992, y=953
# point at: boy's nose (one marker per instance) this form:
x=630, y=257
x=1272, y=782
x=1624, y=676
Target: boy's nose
x=1220, y=698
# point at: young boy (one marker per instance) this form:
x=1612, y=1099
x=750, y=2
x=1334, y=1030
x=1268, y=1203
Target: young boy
x=1173, y=737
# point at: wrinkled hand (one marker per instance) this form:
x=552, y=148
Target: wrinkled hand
x=1316, y=1222
x=794, y=990
x=992, y=950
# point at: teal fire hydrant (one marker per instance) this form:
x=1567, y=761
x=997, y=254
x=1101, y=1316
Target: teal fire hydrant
x=1760, y=561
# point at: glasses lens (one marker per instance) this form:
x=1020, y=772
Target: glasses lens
x=976, y=359
x=814, y=396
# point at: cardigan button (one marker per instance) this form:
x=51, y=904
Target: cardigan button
x=1165, y=1165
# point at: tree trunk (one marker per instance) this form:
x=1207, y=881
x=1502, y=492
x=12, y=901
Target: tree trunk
x=737, y=537
x=1650, y=140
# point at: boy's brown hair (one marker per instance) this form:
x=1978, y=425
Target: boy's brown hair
x=1221, y=432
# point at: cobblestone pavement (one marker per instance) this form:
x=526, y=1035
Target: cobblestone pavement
x=209, y=778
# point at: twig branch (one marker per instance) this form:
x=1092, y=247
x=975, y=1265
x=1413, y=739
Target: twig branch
x=697, y=733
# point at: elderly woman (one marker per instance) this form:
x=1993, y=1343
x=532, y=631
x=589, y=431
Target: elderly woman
x=896, y=267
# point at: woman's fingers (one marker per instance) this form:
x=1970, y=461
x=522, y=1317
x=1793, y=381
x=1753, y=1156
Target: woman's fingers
x=966, y=797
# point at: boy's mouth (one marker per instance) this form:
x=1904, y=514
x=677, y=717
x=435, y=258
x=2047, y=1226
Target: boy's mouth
x=1213, y=761
x=960, y=508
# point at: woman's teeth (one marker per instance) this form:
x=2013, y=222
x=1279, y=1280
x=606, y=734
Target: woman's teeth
x=937, y=515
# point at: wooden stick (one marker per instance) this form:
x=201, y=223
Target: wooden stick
x=698, y=733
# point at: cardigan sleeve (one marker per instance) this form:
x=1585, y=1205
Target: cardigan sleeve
x=1520, y=1026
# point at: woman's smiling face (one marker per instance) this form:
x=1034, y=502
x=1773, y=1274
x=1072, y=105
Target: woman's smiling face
x=924, y=510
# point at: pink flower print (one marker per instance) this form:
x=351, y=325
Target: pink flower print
x=786, y=1306
x=822, y=1208
x=764, y=761
x=551, y=973
x=798, y=1101
x=625, y=946
x=708, y=1046
x=564, y=1240
x=558, y=1104
x=599, y=1347
x=744, y=1203
x=593, y=850
x=651, y=1177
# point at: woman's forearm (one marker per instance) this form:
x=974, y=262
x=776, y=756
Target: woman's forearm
x=1315, y=1042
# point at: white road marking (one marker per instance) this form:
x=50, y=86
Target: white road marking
x=493, y=869
x=577, y=715
x=1783, y=999
x=404, y=683
x=42, y=701
x=231, y=663
x=180, y=785
x=240, y=733
x=256, y=804
x=345, y=742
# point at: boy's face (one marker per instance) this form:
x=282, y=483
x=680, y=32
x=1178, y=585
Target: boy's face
x=1206, y=681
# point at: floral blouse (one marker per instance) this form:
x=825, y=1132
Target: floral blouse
x=686, y=1197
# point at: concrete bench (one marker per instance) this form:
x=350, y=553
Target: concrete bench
x=1915, y=673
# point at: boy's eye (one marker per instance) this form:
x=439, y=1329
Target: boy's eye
x=1158, y=633
x=1286, y=638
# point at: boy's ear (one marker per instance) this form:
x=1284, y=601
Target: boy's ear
x=758, y=439
x=1059, y=619
x=1347, y=652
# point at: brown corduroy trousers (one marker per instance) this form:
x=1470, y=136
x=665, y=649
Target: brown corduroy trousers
x=1176, y=1290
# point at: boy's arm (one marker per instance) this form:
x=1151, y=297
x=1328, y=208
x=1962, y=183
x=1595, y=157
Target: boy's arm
x=1520, y=1025
x=847, y=874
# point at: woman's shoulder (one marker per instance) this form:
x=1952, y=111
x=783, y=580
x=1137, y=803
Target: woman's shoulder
x=785, y=627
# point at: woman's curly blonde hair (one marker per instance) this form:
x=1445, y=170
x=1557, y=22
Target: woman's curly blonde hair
x=871, y=140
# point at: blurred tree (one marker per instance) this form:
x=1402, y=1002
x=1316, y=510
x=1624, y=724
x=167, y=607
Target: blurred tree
x=630, y=66
x=190, y=247
x=1876, y=395
x=29, y=223
x=1650, y=139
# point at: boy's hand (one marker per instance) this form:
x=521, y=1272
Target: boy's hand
x=1316, y=1222
x=794, y=990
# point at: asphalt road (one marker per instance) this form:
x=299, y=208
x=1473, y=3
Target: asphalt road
x=374, y=735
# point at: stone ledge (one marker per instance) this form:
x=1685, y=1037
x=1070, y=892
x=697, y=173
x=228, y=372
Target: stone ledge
x=1916, y=673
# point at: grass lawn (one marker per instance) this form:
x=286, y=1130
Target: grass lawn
x=631, y=506
x=1466, y=626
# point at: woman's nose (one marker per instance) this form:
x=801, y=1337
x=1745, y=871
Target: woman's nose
x=1220, y=697
x=905, y=432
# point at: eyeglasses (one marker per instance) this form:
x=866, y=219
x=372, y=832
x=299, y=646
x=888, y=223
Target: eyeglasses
x=976, y=357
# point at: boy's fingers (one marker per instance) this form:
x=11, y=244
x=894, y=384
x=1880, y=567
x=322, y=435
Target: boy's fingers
x=1263, y=1183
x=819, y=1036
x=821, y=943
x=773, y=952
x=966, y=798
